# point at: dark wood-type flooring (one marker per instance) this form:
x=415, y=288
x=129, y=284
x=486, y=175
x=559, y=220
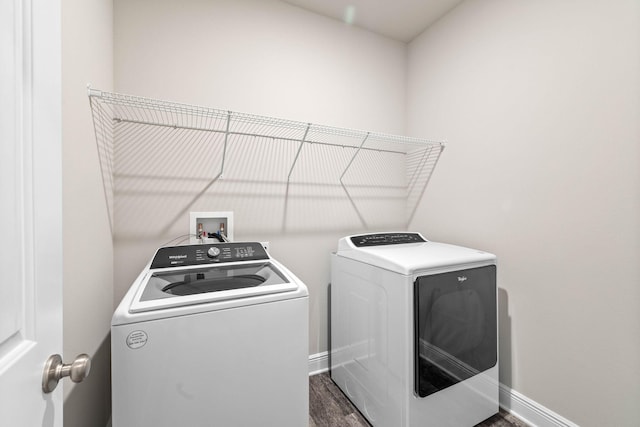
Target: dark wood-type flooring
x=329, y=407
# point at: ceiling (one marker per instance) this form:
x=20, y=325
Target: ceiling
x=401, y=20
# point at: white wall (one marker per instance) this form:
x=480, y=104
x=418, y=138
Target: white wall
x=260, y=57
x=540, y=104
x=87, y=56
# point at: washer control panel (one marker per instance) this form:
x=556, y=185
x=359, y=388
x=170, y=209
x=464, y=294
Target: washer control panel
x=179, y=256
x=382, y=239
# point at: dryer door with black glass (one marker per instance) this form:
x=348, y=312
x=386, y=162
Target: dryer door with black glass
x=455, y=327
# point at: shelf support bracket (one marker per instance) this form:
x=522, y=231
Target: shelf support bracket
x=210, y=183
x=224, y=148
x=344, y=187
x=295, y=160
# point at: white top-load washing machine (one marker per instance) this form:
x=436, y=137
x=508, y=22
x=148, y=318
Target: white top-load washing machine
x=211, y=335
x=414, y=330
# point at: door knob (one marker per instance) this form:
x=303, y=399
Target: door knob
x=55, y=370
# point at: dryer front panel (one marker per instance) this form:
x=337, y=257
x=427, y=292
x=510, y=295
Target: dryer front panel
x=455, y=327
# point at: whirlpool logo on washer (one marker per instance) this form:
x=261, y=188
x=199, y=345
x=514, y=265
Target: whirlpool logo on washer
x=137, y=339
x=461, y=279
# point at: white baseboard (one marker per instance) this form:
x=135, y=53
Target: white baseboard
x=318, y=363
x=529, y=411
x=515, y=403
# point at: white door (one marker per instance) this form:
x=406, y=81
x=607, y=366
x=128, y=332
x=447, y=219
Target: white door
x=30, y=210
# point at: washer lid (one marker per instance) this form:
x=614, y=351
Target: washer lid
x=195, y=274
x=406, y=253
x=165, y=288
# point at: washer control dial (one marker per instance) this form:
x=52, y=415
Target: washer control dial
x=213, y=252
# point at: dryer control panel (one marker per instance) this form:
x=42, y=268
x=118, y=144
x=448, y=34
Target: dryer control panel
x=180, y=256
x=381, y=239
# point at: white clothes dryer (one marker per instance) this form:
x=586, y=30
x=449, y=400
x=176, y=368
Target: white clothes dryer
x=414, y=330
x=211, y=335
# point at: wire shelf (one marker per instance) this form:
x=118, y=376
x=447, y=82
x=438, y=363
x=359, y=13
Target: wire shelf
x=165, y=150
